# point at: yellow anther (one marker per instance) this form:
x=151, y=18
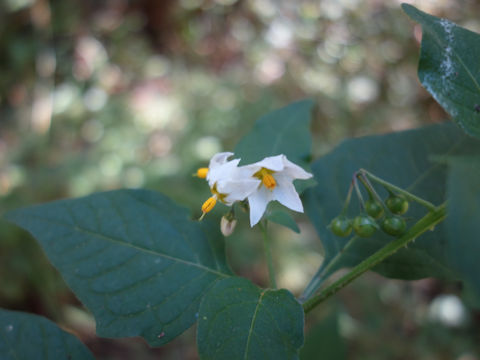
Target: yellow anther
x=209, y=204
x=202, y=173
x=267, y=179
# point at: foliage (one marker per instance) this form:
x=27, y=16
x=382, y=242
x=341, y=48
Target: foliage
x=143, y=267
x=26, y=336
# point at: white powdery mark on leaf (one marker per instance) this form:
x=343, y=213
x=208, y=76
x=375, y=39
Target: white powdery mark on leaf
x=447, y=67
x=439, y=96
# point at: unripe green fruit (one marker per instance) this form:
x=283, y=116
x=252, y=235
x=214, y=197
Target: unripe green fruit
x=394, y=225
x=374, y=208
x=364, y=226
x=341, y=226
x=397, y=204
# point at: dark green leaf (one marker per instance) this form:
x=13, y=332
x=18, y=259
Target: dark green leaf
x=237, y=320
x=283, y=218
x=26, y=336
x=413, y=160
x=132, y=257
x=284, y=131
x=463, y=225
x=449, y=67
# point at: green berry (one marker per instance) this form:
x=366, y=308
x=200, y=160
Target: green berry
x=364, y=226
x=397, y=204
x=394, y=225
x=374, y=208
x=341, y=226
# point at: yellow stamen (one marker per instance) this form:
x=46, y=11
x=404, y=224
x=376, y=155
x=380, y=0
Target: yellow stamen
x=267, y=179
x=209, y=204
x=202, y=173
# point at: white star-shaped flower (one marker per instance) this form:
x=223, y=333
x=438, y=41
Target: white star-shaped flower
x=228, y=182
x=276, y=174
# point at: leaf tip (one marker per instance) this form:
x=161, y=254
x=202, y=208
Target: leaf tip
x=410, y=10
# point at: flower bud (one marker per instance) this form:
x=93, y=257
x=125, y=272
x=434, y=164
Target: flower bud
x=227, y=225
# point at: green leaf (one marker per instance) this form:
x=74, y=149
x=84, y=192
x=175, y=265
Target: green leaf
x=26, y=336
x=132, y=257
x=413, y=160
x=238, y=320
x=283, y=218
x=463, y=226
x=449, y=67
x=284, y=131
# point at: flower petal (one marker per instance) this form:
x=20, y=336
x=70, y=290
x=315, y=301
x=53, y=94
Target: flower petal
x=222, y=172
x=274, y=163
x=286, y=194
x=237, y=190
x=219, y=159
x=294, y=171
x=258, y=201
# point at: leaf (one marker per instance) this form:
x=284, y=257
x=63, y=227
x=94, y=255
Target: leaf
x=132, y=257
x=237, y=320
x=413, y=160
x=284, y=131
x=463, y=227
x=26, y=336
x=323, y=341
x=283, y=218
x=449, y=67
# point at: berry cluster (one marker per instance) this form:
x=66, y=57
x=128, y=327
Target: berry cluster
x=374, y=211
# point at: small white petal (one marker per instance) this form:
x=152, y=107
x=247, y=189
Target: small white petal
x=219, y=159
x=286, y=194
x=274, y=163
x=237, y=190
x=258, y=201
x=221, y=172
x=294, y=171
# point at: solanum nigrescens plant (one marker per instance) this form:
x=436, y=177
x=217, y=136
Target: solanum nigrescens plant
x=144, y=267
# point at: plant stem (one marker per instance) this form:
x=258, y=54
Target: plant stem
x=394, y=188
x=319, y=277
x=347, y=200
x=429, y=221
x=268, y=255
x=359, y=193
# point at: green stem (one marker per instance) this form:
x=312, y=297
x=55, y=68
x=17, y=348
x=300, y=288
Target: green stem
x=394, y=188
x=371, y=190
x=347, y=200
x=429, y=221
x=318, y=279
x=268, y=255
x=359, y=193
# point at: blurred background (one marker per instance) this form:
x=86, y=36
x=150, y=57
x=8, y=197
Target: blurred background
x=99, y=95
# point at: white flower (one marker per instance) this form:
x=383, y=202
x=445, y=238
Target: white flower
x=276, y=174
x=228, y=182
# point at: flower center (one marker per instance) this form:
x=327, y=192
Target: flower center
x=217, y=194
x=267, y=179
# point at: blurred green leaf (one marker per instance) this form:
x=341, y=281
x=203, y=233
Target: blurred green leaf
x=449, y=68
x=414, y=160
x=323, y=341
x=238, y=320
x=283, y=218
x=133, y=258
x=283, y=131
x=463, y=226
x=26, y=336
